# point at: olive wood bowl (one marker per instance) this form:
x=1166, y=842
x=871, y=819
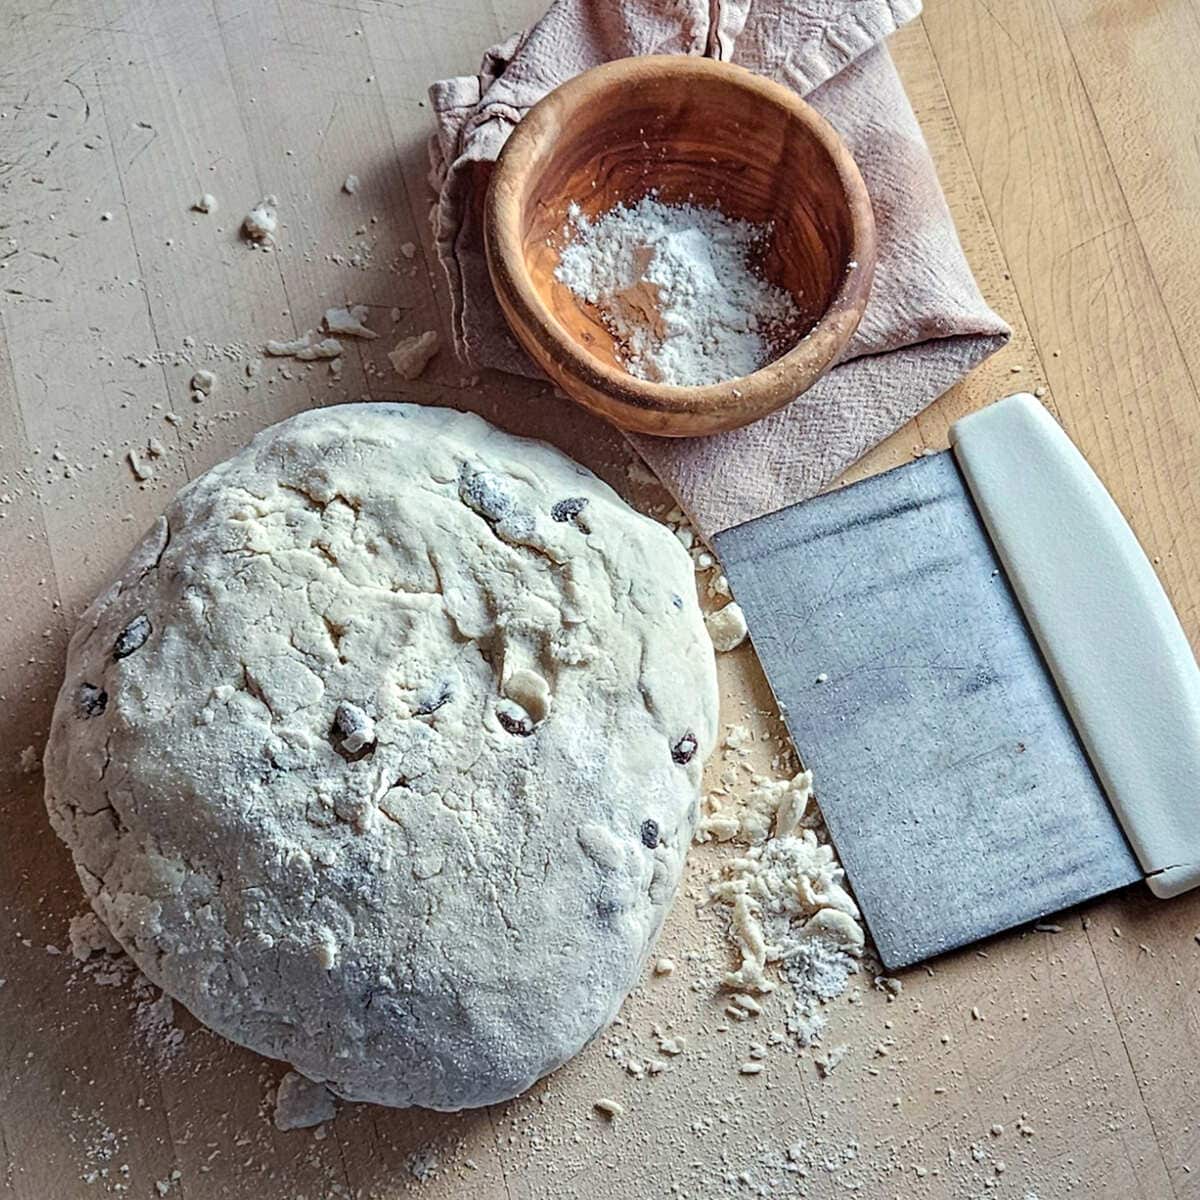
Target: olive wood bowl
x=690, y=130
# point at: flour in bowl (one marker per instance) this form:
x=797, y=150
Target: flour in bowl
x=675, y=285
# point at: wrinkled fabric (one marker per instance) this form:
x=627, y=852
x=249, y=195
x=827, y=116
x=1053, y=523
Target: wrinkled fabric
x=926, y=324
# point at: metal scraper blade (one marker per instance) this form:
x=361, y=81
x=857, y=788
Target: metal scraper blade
x=948, y=772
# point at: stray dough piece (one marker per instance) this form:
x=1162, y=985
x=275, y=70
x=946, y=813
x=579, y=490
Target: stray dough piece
x=610, y=1108
x=300, y=1103
x=664, y=966
x=207, y=203
x=349, y=322
x=203, y=382
x=262, y=222
x=350, y=185
x=412, y=354
x=409, y=250
x=727, y=627
x=305, y=348
x=141, y=469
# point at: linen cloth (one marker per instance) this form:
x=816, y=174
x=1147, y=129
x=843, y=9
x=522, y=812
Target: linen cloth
x=926, y=324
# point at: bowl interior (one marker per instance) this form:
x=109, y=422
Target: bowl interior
x=711, y=142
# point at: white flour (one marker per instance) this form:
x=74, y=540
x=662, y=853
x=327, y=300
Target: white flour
x=674, y=285
x=787, y=900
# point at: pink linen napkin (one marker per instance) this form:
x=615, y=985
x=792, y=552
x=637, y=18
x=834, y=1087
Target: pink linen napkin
x=926, y=324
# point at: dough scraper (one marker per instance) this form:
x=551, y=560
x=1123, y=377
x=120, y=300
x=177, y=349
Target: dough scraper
x=980, y=666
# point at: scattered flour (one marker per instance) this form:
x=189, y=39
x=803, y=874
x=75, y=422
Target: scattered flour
x=787, y=902
x=154, y=1020
x=675, y=286
x=422, y=1165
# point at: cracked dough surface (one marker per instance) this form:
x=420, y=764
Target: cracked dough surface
x=382, y=753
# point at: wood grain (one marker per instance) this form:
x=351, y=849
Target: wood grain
x=1064, y=135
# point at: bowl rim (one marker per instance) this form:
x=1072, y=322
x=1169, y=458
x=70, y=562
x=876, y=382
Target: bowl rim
x=773, y=385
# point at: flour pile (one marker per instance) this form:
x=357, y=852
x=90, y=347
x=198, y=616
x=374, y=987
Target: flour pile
x=787, y=899
x=675, y=287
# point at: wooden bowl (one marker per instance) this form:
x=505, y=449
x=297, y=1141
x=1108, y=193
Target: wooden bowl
x=689, y=129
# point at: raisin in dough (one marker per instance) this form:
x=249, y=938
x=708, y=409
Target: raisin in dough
x=383, y=752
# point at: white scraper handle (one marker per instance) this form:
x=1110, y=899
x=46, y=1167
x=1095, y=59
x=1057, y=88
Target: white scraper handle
x=1112, y=641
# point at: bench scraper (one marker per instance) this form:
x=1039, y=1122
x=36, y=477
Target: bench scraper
x=981, y=668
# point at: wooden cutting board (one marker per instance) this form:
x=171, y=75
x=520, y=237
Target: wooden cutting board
x=1048, y=1064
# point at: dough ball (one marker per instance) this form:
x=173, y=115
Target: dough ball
x=382, y=754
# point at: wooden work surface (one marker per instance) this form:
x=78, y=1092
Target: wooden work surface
x=1047, y=1064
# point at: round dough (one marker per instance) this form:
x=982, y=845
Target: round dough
x=383, y=753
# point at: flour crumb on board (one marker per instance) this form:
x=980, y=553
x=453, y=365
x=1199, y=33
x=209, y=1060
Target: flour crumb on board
x=349, y=321
x=201, y=384
x=262, y=222
x=206, y=203
x=412, y=354
x=163, y=1186
x=727, y=627
x=29, y=762
x=142, y=470
x=154, y=1022
x=88, y=935
x=350, y=185
x=422, y=1165
x=609, y=1108
x=786, y=900
x=307, y=348
x=301, y=1103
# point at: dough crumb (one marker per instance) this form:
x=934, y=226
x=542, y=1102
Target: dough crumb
x=29, y=763
x=89, y=935
x=412, y=354
x=207, y=203
x=409, y=250
x=349, y=321
x=787, y=900
x=750, y=1068
x=422, y=1165
x=203, y=382
x=301, y=1103
x=350, y=185
x=775, y=804
x=610, y=1108
x=262, y=221
x=664, y=966
x=827, y=1062
x=672, y=1046
x=727, y=627
x=141, y=469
